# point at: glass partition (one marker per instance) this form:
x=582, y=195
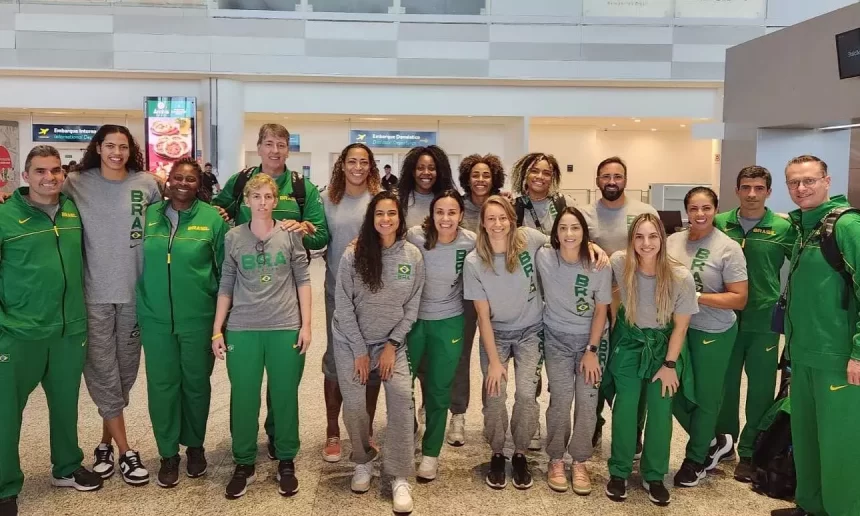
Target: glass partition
x=443, y=6
x=351, y=6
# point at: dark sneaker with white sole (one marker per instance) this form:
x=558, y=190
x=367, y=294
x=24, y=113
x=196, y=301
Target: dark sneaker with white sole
x=168, y=473
x=616, y=489
x=9, y=506
x=496, y=476
x=131, y=467
x=744, y=470
x=690, y=474
x=657, y=492
x=722, y=449
x=243, y=476
x=522, y=475
x=81, y=479
x=288, y=484
x=271, y=451
x=195, y=462
x=104, y=462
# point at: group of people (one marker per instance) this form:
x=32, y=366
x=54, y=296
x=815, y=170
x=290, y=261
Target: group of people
x=619, y=312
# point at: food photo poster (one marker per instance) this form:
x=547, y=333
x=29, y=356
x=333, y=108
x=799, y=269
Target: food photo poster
x=170, y=132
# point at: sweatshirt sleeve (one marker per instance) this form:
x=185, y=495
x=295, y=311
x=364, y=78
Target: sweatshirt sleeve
x=344, y=305
x=218, y=245
x=225, y=199
x=228, y=269
x=410, y=308
x=299, y=262
x=848, y=239
x=315, y=214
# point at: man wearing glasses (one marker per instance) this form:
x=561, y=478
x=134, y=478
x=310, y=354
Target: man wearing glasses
x=608, y=220
x=823, y=341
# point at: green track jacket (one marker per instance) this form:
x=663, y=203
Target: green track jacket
x=820, y=334
x=286, y=209
x=41, y=270
x=178, y=288
x=766, y=247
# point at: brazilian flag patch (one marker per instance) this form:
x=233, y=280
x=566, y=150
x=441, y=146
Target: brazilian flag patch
x=582, y=307
x=266, y=278
x=404, y=271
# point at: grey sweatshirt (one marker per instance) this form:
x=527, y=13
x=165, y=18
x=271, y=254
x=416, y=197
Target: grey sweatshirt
x=344, y=222
x=418, y=209
x=608, y=226
x=113, y=216
x=571, y=292
x=442, y=296
x=362, y=317
x=471, y=216
x=263, y=285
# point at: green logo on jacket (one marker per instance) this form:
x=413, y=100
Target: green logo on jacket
x=253, y=261
x=461, y=258
x=580, y=290
x=698, y=266
x=404, y=271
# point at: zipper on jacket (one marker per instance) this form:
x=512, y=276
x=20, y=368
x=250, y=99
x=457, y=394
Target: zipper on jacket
x=169, y=277
x=60, y=256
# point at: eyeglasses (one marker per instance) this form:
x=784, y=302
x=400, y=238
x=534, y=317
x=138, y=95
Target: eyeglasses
x=807, y=182
x=261, y=252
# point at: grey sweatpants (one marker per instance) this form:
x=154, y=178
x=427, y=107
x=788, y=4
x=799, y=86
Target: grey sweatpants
x=398, y=448
x=526, y=348
x=329, y=365
x=564, y=352
x=113, y=356
x=461, y=388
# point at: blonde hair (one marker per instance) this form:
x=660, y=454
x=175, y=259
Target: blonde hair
x=516, y=237
x=667, y=274
x=260, y=181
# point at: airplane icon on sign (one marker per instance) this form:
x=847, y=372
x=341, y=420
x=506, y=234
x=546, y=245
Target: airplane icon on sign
x=360, y=137
x=43, y=132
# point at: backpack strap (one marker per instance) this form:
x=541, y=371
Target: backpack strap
x=520, y=209
x=299, y=193
x=559, y=202
x=830, y=248
x=239, y=190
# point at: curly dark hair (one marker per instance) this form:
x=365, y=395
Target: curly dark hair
x=337, y=183
x=431, y=234
x=368, y=248
x=191, y=162
x=406, y=185
x=92, y=158
x=497, y=171
x=520, y=172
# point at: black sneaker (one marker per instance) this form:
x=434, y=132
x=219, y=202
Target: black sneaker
x=689, y=474
x=744, y=470
x=81, y=479
x=597, y=438
x=131, y=467
x=657, y=492
x=195, y=462
x=638, y=454
x=496, y=476
x=270, y=448
x=794, y=511
x=104, y=462
x=616, y=489
x=9, y=506
x=722, y=449
x=243, y=476
x=168, y=474
x=522, y=475
x=288, y=484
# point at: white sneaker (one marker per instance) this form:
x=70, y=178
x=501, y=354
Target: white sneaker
x=361, y=478
x=131, y=467
x=401, y=494
x=534, y=444
x=428, y=467
x=457, y=430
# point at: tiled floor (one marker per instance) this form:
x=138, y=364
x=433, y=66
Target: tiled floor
x=324, y=490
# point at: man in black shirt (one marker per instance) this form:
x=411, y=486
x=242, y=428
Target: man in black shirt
x=209, y=181
x=389, y=180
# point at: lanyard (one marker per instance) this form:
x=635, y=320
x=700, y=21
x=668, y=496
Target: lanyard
x=531, y=209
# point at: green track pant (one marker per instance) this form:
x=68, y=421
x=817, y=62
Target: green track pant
x=629, y=390
x=605, y=350
x=756, y=353
x=825, y=417
x=439, y=344
x=710, y=354
x=58, y=364
x=178, y=368
x=248, y=354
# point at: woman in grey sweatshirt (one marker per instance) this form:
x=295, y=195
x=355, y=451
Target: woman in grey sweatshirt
x=377, y=296
x=426, y=171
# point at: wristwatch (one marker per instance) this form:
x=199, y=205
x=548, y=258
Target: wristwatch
x=669, y=363
x=592, y=348
x=396, y=343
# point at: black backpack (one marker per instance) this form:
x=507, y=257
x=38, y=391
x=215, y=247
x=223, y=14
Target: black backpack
x=774, y=474
x=299, y=193
x=831, y=252
x=523, y=202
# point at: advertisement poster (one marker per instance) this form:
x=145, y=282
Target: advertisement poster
x=52, y=133
x=393, y=139
x=170, y=132
x=628, y=8
x=9, y=174
x=295, y=142
x=720, y=8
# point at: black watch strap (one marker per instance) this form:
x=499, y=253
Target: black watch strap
x=592, y=348
x=669, y=363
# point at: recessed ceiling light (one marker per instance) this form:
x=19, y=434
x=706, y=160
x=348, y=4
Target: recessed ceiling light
x=373, y=119
x=653, y=128
x=613, y=125
x=636, y=120
x=683, y=125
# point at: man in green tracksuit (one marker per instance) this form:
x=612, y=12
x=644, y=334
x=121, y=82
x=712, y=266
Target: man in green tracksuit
x=273, y=147
x=43, y=323
x=183, y=248
x=767, y=240
x=823, y=340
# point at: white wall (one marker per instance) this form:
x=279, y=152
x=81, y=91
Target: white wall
x=651, y=157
